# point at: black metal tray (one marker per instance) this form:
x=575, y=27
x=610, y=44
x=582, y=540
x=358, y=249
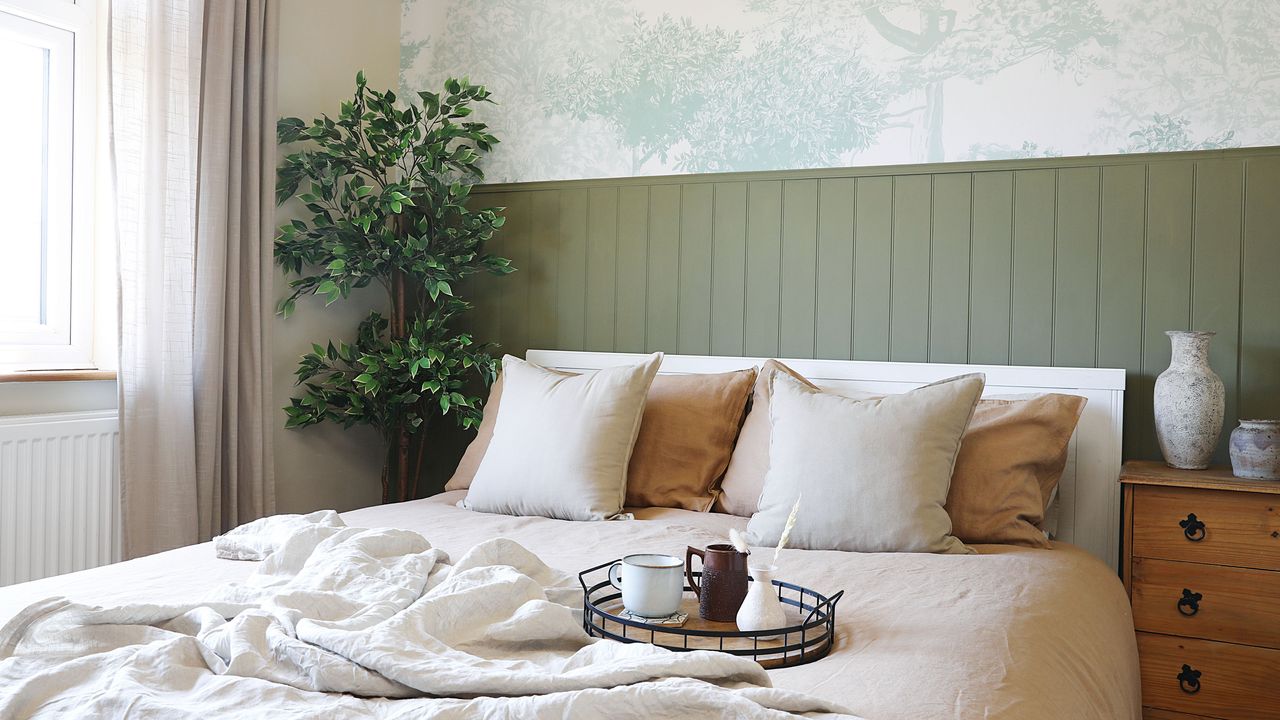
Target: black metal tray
x=808, y=635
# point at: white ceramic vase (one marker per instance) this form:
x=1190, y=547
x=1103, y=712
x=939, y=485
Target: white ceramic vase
x=761, y=610
x=1189, y=403
x=1255, y=450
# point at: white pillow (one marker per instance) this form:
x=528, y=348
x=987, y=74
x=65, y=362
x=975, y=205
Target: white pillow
x=872, y=474
x=561, y=443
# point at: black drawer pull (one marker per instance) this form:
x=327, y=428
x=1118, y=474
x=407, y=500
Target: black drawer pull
x=1192, y=527
x=1190, y=603
x=1189, y=680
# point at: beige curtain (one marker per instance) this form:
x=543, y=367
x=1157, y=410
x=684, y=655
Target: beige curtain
x=192, y=140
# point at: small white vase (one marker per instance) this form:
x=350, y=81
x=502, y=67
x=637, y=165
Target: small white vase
x=1188, y=403
x=761, y=610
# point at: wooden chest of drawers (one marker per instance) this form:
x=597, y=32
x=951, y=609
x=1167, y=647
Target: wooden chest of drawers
x=1202, y=566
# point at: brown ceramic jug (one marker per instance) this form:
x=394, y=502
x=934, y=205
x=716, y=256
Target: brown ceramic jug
x=724, y=581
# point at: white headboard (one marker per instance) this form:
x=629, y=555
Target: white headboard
x=1087, y=511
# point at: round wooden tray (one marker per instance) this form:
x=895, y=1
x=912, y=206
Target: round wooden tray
x=808, y=635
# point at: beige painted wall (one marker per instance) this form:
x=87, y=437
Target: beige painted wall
x=322, y=45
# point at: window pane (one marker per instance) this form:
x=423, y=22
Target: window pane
x=24, y=143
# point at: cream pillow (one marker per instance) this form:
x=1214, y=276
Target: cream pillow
x=561, y=443
x=873, y=473
x=744, y=478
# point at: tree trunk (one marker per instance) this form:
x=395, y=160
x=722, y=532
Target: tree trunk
x=401, y=440
x=932, y=121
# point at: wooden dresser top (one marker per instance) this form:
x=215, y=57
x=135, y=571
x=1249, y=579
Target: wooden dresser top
x=1150, y=472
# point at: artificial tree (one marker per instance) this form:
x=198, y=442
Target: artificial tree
x=387, y=195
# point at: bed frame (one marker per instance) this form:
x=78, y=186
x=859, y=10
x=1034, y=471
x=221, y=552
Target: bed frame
x=1086, y=512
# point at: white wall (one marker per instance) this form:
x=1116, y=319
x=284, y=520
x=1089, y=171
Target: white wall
x=34, y=398
x=322, y=45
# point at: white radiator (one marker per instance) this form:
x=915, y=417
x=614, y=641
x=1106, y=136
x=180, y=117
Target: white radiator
x=59, y=494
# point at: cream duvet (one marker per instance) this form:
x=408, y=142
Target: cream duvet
x=1005, y=633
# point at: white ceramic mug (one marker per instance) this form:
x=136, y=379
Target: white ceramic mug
x=651, y=584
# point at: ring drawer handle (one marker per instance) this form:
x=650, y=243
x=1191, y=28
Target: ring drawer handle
x=1190, y=603
x=1189, y=680
x=1192, y=527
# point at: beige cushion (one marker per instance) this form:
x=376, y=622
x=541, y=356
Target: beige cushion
x=470, y=462
x=744, y=478
x=686, y=438
x=873, y=474
x=561, y=443
x=1010, y=462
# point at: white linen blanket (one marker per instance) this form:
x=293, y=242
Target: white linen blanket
x=347, y=622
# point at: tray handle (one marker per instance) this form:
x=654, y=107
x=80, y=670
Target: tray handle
x=830, y=603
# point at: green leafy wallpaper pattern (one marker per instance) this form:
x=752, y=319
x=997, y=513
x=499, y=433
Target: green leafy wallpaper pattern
x=605, y=88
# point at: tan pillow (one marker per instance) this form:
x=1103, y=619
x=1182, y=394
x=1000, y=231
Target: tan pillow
x=1010, y=461
x=561, y=443
x=744, y=479
x=686, y=438
x=871, y=475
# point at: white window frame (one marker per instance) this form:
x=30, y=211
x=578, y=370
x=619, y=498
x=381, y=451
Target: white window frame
x=68, y=342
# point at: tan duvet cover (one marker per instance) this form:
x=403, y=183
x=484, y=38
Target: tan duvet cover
x=1007, y=633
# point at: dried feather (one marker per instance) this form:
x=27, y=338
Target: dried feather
x=739, y=541
x=786, y=529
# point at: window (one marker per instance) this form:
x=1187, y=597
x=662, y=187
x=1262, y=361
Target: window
x=47, y=145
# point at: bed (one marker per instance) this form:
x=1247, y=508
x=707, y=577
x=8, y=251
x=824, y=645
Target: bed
x=1007, y=632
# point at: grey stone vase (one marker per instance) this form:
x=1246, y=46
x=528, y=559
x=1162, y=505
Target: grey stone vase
x=1189, y=403
x=1255, y=450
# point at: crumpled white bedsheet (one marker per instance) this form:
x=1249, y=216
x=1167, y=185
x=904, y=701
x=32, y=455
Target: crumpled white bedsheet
x=349, y=622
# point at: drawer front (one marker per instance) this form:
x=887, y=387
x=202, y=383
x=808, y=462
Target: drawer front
x=1235, y=682
x=1217, y=527
x=1239, y=605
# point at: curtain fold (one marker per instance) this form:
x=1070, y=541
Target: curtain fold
x=192, y=88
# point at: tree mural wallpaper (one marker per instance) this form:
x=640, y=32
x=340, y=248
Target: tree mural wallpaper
x=644, y=87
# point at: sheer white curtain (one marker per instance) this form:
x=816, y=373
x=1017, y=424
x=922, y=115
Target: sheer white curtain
x=192, y=137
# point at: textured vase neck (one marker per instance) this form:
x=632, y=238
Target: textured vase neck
x=1190, y=349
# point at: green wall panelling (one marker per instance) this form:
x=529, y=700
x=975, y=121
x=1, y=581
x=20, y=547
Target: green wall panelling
x=602, y=269
x=1260, y=321
x=1075, y=268
x=633, y=268
x=1166, y=275
x=799, y=267
x=949, y=251
x=694, y=315
x=991, y=269
x=872, y=267
x=571, y=270
x=1120, y=286
x=909, y=269
x=543, y=268
x=1215, y=267
x=764, y=268
x=1062, y=261
x=833, y=314
x=729, y=268
x=1031, y=329
x=662, y=302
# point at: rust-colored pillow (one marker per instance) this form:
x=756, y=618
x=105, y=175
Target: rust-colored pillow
x=686, y=437
x=743, y=481
x=1010, y=460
